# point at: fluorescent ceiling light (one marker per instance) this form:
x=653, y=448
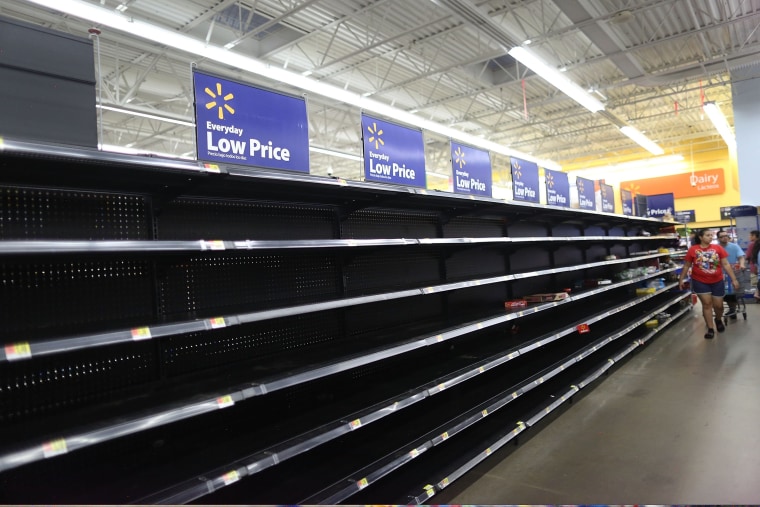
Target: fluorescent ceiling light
x=555, y=78
x=332, y=153
x=642, y=140
x=132, y=112
x=721, y=124
x=644, y=168
x=134, y=151
x=176, y=40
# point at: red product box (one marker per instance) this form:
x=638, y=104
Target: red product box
x=541, y=298
x=515, y=303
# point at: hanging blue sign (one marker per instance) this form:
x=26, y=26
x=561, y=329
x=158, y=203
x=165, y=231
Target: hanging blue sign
x=557, y=188
x=242, y=124
x=626, y=196
x=524, y=180
x=686, y=216
x=660, y=204
x=392, y=153
x=471, y=168
x=608, y=198
x=586, y=193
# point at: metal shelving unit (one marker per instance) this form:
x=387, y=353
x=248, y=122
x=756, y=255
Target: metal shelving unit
x=154, y=303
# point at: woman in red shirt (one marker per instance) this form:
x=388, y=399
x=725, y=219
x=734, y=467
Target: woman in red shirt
x=707, y=263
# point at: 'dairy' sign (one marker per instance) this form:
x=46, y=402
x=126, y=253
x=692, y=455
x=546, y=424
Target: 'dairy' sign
x=471, y=169
x=242, y=124
x=524, y=180
x=392, y=153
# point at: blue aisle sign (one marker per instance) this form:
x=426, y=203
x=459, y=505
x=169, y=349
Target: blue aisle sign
x=524, y=180
x=608, y=198
x=685, y=216
x=626, y=196
x=659, y=205
x=392, y=153
x=242, y=124
x=471, y=168
x=586, y=193
x=557, y=188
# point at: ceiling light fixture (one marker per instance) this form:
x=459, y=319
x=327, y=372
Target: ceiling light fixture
x=187, y=44
x=721, y=124
x=132, y=112
x=642, y=140
x=555, y=78
x=333, y=153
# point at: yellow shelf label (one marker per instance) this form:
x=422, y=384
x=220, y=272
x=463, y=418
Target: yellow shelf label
x=445, y=435
x=217, y=323
x=439, y=338
x=356, y=423
x=141, y=333
x=514, y=395
x=54, y=448
x=363, y=483
x=225, y=401
x=20, y=350
x=484, y=412
x=482, y=369
x=445, y=482
x=441, y=387
x=212, y=168
x=231, y=477
x=488, y=451
x=414, y=453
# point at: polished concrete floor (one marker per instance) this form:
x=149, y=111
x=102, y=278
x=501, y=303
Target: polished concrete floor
x=679, y=423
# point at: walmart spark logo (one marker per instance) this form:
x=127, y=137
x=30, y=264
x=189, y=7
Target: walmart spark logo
x=215, y=96
x=550, y=181
x=374, y=135
x=516, y=171
x=604, y=192
x=581, y=187
x=634, y=189
x=459, y=157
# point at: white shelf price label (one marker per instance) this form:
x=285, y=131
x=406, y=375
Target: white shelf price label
x=363, y=483
x=54, y=448
x=216, y=244
x=141, y=333
x=16, y=351
x=231, y=477
x=217, y=323
x=225, y=401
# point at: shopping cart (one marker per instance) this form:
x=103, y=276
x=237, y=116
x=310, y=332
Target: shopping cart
x=737, y=296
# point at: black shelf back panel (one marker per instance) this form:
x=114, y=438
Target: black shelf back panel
x=380, y=223
x=60, y=383
x=203, y=285
x=389, y=270
x=475, y=262
x=194, y=218
x=37, y=213
x=474, y=227
x=53, y=296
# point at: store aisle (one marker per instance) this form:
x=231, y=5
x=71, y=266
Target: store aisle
x=679, y=423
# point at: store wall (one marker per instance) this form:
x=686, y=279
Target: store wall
x=745, y=84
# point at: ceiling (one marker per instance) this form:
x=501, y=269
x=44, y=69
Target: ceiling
x=651, y=62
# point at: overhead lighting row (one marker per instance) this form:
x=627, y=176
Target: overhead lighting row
x=116, y=20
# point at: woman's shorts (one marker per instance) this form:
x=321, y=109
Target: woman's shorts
x=717, y=289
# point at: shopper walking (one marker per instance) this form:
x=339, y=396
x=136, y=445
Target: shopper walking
x=708, y=262
x=736, y=258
